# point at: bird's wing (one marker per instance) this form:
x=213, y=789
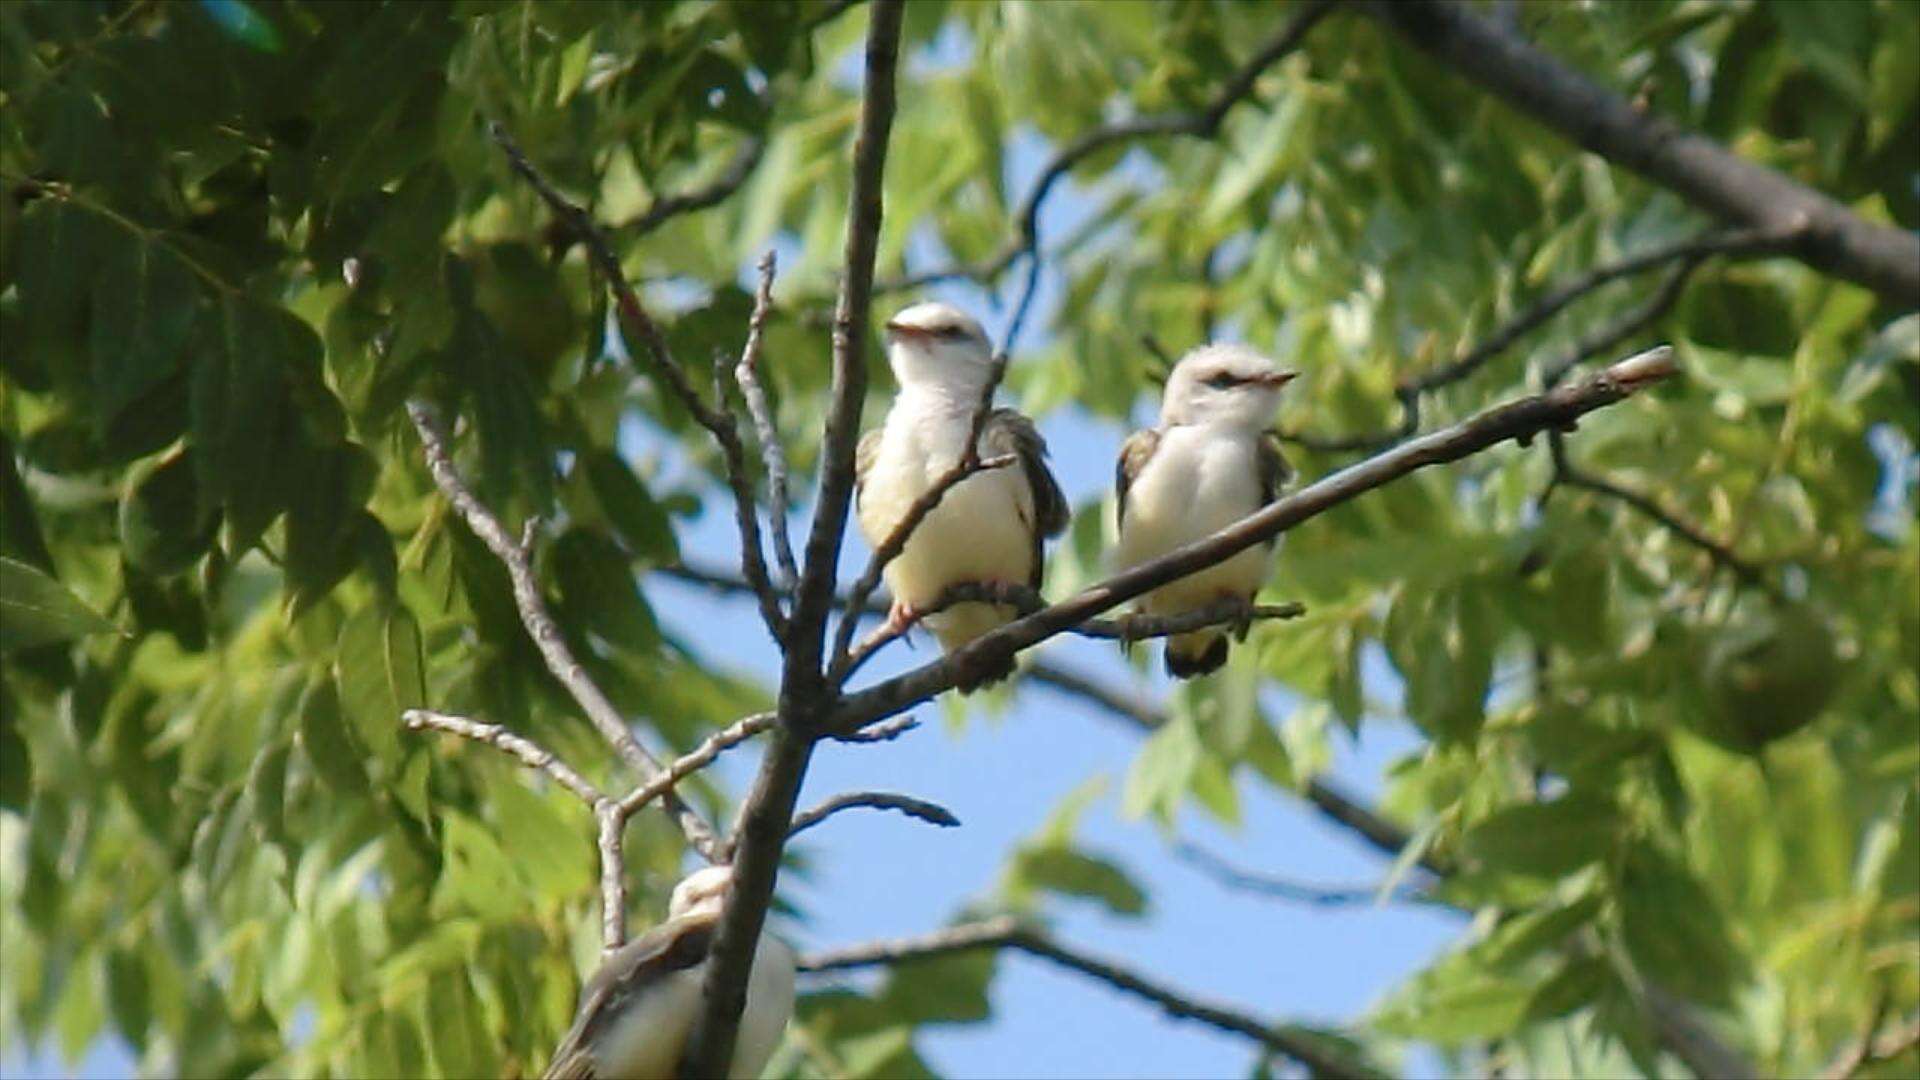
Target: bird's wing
x=1275, y=473
x=674, y=945
x=1134, y=455
x=1009, y=432
x=864, y=452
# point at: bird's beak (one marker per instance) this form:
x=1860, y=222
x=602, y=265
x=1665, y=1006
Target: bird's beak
x=1278, y=379
x=896, y=328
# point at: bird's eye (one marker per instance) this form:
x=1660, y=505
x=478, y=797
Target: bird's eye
x=1221, y=381
x=951, y=333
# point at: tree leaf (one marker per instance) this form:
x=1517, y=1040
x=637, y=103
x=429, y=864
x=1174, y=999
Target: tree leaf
x=37, y=610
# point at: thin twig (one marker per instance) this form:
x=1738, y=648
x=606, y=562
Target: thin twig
x=716, y=418
x=539, y=624
x=1518, y=420
x=1125, y=628
x=772, y=452
x=931, y=813
x=696, y=759
x=610, y=828
x=1318, y=1055
x=531, y=754
x=885, y=731
x=1282, y=888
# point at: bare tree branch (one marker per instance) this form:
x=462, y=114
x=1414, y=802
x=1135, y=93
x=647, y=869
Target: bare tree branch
x=531, y=754
x=747, y=374
x=806, y=699
x=1521, y=420
x=634, y=319
x=1529, y=79
x=1284, y=889
x=1321, y=1055
x=1202, y=123
x=931, y=813
x=560, y=661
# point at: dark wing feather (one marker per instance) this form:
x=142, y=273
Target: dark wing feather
x=1275, y=473
x=1134, y=455
x=1008, y=432
x=635, y=967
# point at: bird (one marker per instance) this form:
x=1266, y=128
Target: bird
x=1210, y=461
x=639, y=1007
x=991, y=527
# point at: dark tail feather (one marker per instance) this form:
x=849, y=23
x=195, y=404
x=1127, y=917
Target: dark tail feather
x=1182, y=664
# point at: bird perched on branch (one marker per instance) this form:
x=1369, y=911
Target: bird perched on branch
x=638, y=1009
x=990, y=527
x=1210, y=462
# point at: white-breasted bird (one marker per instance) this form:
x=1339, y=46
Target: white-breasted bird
x=1210, y=462
x=639, y=1007
x=990, y=527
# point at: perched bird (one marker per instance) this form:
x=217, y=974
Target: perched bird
x=1210, y=462
x=990, y=527
x=638, y=1009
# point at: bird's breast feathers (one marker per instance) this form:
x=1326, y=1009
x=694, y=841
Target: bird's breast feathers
x=982, y=530
x=1195, y=483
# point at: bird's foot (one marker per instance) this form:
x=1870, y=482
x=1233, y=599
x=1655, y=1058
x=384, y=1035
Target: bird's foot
x=1242, y=616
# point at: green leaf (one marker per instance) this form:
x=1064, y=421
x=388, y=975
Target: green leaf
x=36, y=610
x=1158, y=777
x=1064, y=870
x=327, y=741
x=165, y=526
x=239, y=392
x=380, y=667
x=549, y=848
x=1455, y=1001
x=145, y=302
x=477, y=876
x=941, y=989
x=1674, y=930
x=1545, y=839
x=599, y=593
x=641, y=521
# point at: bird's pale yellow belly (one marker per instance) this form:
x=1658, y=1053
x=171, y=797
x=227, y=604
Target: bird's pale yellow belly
x=979, y=532
x=1185, y=493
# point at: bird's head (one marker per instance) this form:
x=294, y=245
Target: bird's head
x=1224, y=384
x=701, y=892
x=938, y=346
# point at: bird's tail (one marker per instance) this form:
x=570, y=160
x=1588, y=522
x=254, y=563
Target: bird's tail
x=1195, y=654
x=961, y=623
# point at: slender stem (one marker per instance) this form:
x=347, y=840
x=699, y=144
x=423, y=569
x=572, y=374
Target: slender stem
x=531, y=754
x=772, y=452
x=931, y=813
